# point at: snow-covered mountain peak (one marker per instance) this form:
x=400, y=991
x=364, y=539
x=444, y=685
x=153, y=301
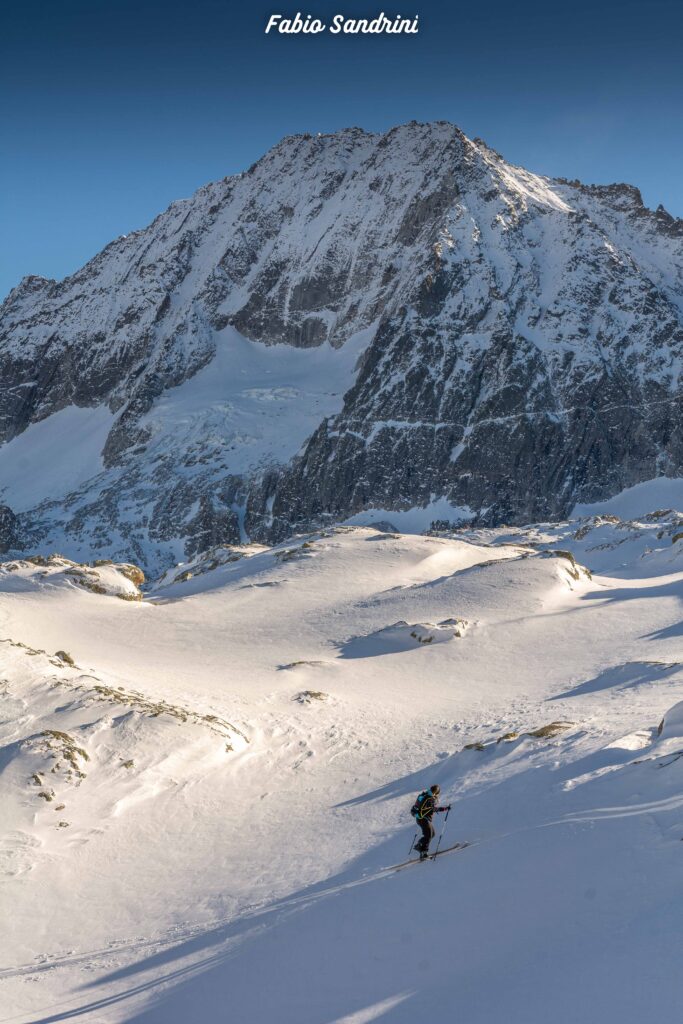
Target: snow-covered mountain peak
x=358, y=321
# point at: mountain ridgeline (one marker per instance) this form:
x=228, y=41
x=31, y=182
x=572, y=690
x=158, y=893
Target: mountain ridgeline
x=445, y=325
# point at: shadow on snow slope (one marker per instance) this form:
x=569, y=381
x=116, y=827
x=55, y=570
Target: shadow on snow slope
x=668, y=632
x=567, y=909
x=670, y=586
x=625, y=677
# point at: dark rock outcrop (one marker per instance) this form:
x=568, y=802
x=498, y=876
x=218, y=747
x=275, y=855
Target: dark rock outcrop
x=520, y=344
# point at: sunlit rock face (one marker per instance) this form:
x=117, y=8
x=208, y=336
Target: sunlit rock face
x=358, y=321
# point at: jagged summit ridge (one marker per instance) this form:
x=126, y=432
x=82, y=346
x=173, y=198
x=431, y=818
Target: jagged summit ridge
x=358, y=320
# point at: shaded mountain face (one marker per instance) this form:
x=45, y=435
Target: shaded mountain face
x=358, y=321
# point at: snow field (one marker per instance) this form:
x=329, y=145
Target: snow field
x=198, y=879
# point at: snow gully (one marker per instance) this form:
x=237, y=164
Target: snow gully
x=342, y=24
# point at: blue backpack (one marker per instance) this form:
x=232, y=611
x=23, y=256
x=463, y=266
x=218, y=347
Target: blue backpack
x=416, y=809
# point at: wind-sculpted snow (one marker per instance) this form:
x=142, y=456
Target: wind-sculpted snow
x=101, y=577
x=403, y=636
x=203, y=792
x=357, y=322
x=650, y=544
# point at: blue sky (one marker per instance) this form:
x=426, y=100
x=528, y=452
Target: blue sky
x=112, y=110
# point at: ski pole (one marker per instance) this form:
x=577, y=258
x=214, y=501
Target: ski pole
x=445, y=820
x=412, y=845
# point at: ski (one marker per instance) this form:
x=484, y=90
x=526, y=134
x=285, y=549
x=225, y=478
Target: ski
x=449, y=849
x=431, y=856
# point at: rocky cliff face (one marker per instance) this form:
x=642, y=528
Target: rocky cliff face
x=356, y=321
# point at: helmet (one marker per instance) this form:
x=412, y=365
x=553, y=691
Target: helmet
x=436, y=788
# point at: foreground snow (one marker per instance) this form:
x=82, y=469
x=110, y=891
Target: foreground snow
x=201, y=798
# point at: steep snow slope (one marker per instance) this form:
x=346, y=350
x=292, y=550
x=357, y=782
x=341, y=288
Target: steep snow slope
x=451, y=332
x=234, y=757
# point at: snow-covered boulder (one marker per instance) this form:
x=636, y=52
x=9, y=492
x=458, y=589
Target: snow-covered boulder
x=103, y=577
